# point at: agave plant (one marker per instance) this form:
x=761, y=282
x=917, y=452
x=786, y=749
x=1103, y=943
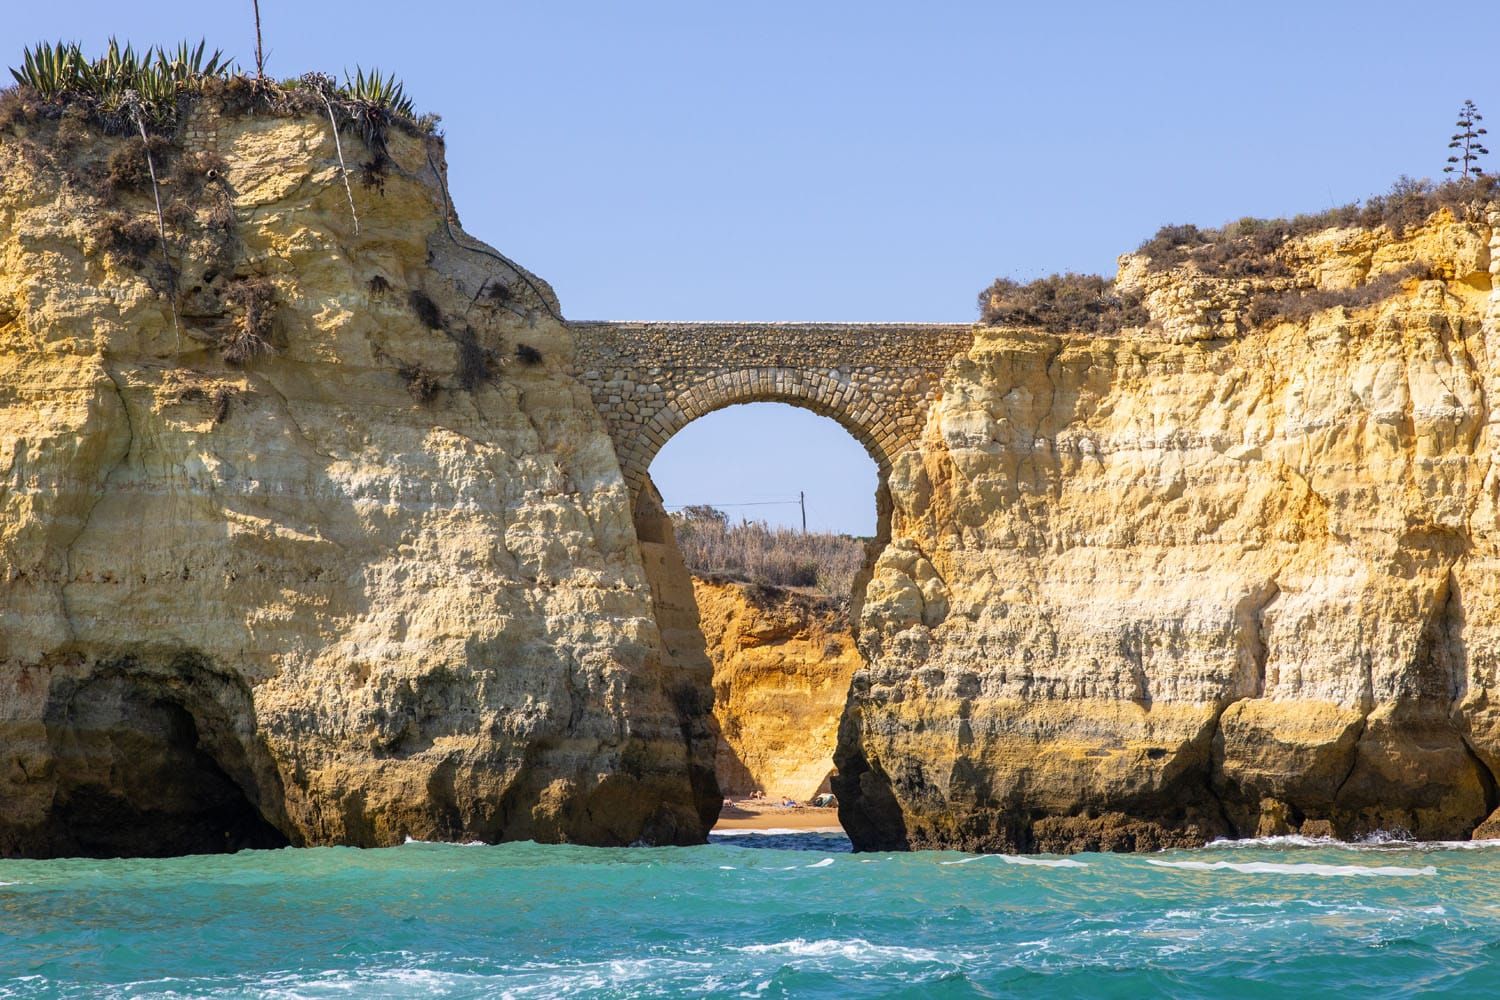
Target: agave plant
x=371, y=102
x=51, y=69
x=187, y=67
x=380, y=90
x=156, y=77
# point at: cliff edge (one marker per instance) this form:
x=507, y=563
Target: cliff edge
x=1226, y=574
x=309, y=537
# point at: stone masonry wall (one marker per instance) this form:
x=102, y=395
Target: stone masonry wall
x=649, y=380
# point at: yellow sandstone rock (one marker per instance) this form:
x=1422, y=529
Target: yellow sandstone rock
x=1205, y=580
x=379, y=581
x=782, y=662
x=296, y=548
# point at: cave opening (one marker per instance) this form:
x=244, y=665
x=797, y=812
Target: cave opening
x=759, y=530
x=150, y=764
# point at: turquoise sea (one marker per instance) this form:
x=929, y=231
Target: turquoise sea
x=758, y=916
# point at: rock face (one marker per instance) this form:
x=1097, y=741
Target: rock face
x=782, y=663
x=310, y=537
x=378, y=580
x=1152, y=589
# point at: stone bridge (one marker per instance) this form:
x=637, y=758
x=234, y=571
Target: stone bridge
x=649, y=380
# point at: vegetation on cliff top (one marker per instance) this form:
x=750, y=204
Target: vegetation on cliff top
x=162, y=83
x=757, y=553
x=109, y=130
x=1248, y=248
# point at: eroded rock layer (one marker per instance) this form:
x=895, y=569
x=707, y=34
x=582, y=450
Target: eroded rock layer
x=299, y=544
x=1214, y=579
x=782, y=663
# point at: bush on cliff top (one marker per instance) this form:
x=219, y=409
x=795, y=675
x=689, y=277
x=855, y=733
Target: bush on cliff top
x=54, y=76
x=758, y=553
x=1086, y=303
x=1247, y=248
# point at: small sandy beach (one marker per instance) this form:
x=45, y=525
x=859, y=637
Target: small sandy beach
x=761, y=814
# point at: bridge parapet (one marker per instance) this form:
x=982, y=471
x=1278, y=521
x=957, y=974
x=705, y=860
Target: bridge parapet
x=649, y=380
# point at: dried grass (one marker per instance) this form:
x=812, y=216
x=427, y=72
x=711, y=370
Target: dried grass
x=757, y=553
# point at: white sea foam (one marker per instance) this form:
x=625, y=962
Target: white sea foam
x=1278, y=868
x=1378, y=841
x=1019, y=859
x=820, y=864
x=853, y=949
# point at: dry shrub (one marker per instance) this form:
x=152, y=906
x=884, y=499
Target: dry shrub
x=195, y=170
x=18, y=106
x=1247, y=248
x=372, y=173
x=129, y=241
x=475, y=364
x=420, y=382
x=1302, y=303
x=221, y=216
x=178, y=215
x=760, y=554
x=73, y=129
x=222, y=398
x=1062, y=303
x=127, y=166
x=254, y=299
x=498, y=294
x=378, y=285
x=427, y=310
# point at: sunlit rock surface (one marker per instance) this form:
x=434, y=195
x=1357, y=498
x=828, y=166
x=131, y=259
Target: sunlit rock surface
x=1201, y=579
x=377, y=582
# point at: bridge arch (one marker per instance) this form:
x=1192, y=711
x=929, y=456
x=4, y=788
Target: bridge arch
x=650, y=380
x=823, y=393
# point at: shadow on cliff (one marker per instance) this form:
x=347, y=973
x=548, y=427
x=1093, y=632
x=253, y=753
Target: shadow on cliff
x=147, y=760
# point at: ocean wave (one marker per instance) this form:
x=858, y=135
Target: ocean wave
x=1281, y=868
x=1379, y=840
x=820, y=864
x=852, y=949
x=1019, y=859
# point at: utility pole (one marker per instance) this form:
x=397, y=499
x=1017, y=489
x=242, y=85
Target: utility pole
x=802, y=499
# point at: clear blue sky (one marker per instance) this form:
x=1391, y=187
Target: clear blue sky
x=862, y=160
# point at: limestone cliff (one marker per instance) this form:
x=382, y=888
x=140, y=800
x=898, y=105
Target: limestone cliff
x=782, y=663
x=1207, y=578
x=309, y=535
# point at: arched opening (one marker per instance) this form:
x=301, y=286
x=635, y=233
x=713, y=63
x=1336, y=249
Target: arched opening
x=148, y=760
x=776, y=512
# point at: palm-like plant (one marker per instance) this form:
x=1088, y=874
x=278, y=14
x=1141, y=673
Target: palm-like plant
x=51, y=69
x=381, y=90
x=156, y=77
